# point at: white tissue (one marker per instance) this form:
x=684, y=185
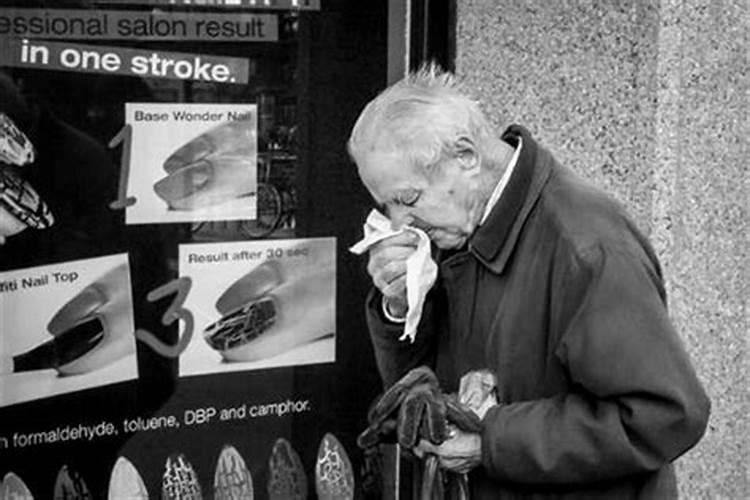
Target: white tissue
x=421, y=270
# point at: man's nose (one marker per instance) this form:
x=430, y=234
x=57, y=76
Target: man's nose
x=400, y=217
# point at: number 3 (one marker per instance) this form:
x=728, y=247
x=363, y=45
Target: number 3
x=173, y=313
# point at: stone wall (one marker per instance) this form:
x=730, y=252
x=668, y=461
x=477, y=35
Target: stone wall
x=648, y=99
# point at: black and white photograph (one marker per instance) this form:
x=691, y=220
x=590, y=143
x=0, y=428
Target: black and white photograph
x=65, y=327
x=260, y=304
x=374, y=250
x=192, y=162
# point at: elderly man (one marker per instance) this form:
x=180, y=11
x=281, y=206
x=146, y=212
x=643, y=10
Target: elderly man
x=544, y=281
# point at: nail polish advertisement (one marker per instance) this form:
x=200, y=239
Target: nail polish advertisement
x=180, y=481
x=15, y=147
x=334, y=475
x=286, y=475
x=65, y=327
x=232, y=479
x=126, y=482
x=13, y=488
x=260, y=304
x=69, y=485
x=20, y=205
x=192, y=162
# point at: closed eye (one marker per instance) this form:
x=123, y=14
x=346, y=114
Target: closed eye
x=409, y=197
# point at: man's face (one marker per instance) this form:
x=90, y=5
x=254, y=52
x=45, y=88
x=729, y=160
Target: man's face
x=442, y=201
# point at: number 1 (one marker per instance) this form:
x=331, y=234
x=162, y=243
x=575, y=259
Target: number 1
x=123, y=137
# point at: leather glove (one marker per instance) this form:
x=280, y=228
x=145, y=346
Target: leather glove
x=422, y=415
x=461, y=416
x=383, y=414
x=415, y=408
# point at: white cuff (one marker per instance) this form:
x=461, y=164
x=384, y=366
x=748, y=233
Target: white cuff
x=390, y=316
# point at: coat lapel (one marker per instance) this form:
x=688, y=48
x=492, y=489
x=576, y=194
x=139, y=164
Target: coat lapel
x=494, y=241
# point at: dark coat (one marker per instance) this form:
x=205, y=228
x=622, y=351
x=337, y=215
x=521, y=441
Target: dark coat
x=562, y=298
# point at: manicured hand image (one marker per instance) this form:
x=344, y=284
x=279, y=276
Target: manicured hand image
x=15, y=147
x=20, y=205
x=92, y=329
x=279, y=305
x=213, y=168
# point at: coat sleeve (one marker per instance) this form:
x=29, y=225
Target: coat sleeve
x=635, y=402
x=395, y=357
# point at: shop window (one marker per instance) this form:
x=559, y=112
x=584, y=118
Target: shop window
x=178, y=309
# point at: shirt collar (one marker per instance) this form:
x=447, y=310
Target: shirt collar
x=500, y=187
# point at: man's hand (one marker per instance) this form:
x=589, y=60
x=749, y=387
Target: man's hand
x=387, y=268
x=460, y=453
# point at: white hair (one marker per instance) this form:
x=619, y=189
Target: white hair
x=421, y=116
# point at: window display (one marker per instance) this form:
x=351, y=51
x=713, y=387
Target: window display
x=179, y=316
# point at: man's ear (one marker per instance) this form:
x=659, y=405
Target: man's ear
x=466, y=153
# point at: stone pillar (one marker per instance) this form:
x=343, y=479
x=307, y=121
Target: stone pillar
x=648, y=99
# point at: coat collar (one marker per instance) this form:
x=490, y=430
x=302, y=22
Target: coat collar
x=494, y=241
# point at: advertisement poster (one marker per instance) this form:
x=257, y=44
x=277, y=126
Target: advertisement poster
x=107, y=60
x=154, y=25
x=260, y=304
x=192, y=162
x=65, y=327
x=174, y=188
